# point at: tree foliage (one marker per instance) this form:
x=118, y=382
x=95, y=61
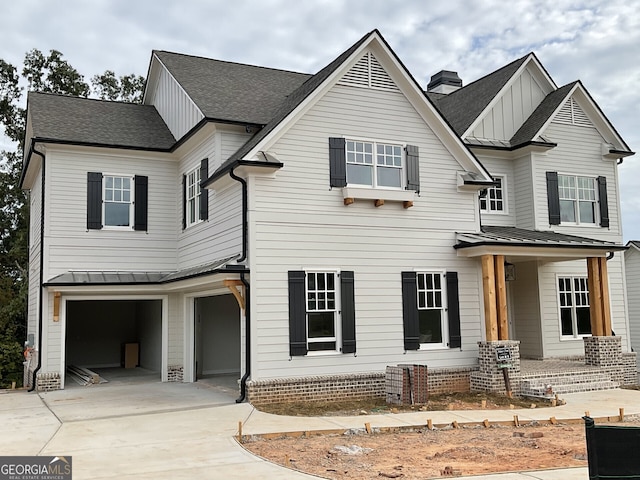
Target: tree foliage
x=48, y=73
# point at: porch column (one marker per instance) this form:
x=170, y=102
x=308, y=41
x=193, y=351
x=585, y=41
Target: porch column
x=599, y=308
x=495, y=298
x=489, y=289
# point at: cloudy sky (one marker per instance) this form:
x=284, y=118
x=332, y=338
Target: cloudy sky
x=596, y=41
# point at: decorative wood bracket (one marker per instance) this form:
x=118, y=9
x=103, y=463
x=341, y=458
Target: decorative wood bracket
x=237, y=288
x=56, y=306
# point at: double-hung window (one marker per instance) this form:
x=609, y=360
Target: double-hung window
x=494, y=200
x=193, y=196
x=322, y=313
x=577, y=199
x=431, y=308
x=573, y=295
x=374, y=164
x=118, y=200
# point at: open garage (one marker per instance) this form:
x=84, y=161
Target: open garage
x=123, y=336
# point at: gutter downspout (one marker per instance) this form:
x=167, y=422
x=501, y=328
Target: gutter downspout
x=40, y=302
x=247, y=296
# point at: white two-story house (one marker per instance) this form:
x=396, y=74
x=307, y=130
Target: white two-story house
x=302, y=232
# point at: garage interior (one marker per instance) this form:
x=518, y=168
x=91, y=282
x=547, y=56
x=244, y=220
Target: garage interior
x=108, y=335
x=217, y=338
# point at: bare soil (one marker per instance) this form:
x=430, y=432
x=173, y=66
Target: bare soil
x=423, y=453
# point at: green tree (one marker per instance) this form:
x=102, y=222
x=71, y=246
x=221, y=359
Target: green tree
x=49, y=73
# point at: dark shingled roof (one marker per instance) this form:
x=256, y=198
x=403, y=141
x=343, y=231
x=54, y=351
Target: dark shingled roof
x=290, y=104
x=97, y=122
x=540, y=115
x=463, y=106
x=513, y=236
x=229, y=91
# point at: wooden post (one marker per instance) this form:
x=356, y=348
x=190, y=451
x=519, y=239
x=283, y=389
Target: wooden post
x=604, y=287
x=501, y=298
x=595, y=296
x=489, y=289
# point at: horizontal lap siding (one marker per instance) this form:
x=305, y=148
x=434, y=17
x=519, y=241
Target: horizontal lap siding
x=297, y=222
x=221, y=235
x=579, y=152
x=35, y=201
x=70, y=246
x=175, y=354
x=523, y=184
x=632, y=270
x=503, y=168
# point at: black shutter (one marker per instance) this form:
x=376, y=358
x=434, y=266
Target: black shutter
x=337, y=163
x=94, y=200
x=184, y=202
x=604, y=203
x=141, y=202
x=410, y=311
x=553, y=198
x=297, y=314
x=204, y=193
x=347, y=299
x=413, y=168
x=453, y=310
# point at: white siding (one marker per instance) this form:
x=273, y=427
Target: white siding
x=548, y=273
x=174, y=106
x=512, y=109
x=632, y=270
x=297, y=222
x=526, y=309
x=579, y=152
x=35, y=203
x=221, y=235
x=502, y=168
x=524, y=193
x=68, y=243
x=175, y=354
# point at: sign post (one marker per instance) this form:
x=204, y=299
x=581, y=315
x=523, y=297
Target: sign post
x=503, y=358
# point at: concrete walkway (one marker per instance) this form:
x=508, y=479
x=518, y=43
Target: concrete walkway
x=174, y=431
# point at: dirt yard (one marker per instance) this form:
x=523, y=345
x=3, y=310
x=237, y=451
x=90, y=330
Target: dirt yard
x=423, y=453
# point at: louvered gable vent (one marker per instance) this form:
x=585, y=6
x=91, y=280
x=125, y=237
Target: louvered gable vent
x=368, y=73
x=572, y=114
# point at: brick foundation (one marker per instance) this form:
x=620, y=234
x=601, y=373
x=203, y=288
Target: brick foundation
x=324, y=388
x=602, y=351
x=489, y=377
x=630, y=369
x=175, y=373
x=47, y=382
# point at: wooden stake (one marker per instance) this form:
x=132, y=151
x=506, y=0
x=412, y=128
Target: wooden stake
x=553, y=421
x=367, y=427
x=429, y=424
x=485, y=422
x=484, y=404
x=586, y=413
x=240, y=431
x=516, y=422
x=455, y=424
x=622, y=414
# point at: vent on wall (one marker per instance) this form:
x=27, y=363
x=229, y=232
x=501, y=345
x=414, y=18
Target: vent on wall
x=367, y=72
x=572, y=114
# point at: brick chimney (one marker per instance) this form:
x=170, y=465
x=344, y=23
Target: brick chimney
x=445, y=81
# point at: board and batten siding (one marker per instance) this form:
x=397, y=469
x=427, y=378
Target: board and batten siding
x=499, y=167
x=221, y=235
x=298, y=222
x=512, y=109
x=554, y=346
x=175, y=107
x=68, y=243
x=579, y=152
x=632, y=271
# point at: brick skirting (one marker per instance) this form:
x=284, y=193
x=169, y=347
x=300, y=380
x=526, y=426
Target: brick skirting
x=47, y=382
x=325, y=388
x=175, y=373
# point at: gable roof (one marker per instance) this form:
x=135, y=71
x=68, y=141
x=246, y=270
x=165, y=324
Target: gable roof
x=84, y=121
x=232, y=92
x=464, y=105
x=530, y=129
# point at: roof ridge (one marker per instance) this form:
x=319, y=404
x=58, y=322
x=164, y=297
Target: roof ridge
x=77, y=97
x=229, y=62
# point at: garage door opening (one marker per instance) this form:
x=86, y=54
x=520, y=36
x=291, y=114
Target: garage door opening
x=121, y=340
x=217, y=340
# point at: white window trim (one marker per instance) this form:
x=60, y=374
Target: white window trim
x=357, y=187
x=186, y=200
x=596, y=209
x=338, y=312
x=131, y=202
x=505, y=203
x=575, y=336
x=445, y=311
